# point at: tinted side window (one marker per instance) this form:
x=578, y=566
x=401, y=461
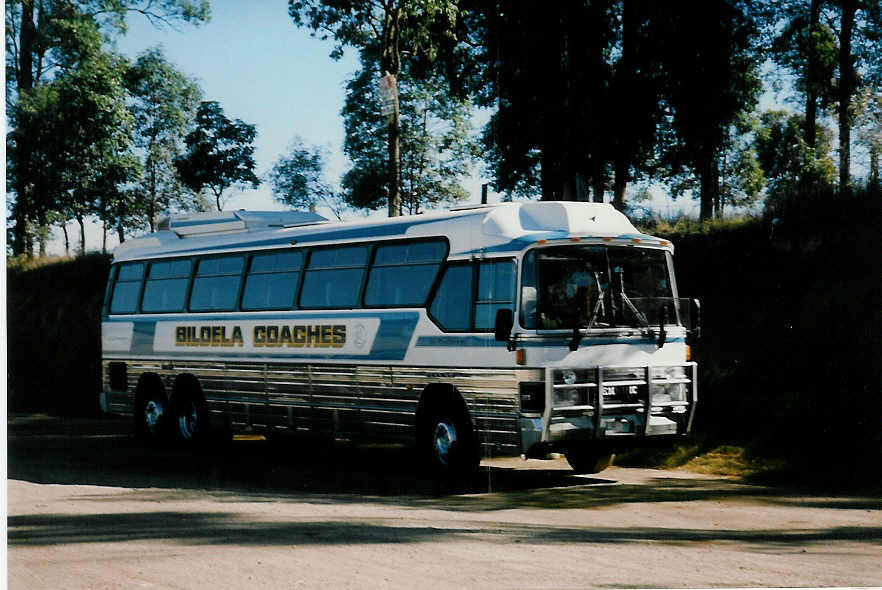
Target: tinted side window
x=496, y=285
x=272, y=280
x=333, y=277
x=216, y=285
x=402, y=274
x=127, y=288
x=452, y=304
x=166, y=287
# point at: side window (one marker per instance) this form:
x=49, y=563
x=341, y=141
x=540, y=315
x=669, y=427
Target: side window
x=216, y=285
x=496, y=285
x=127, y=288
x=333, y=277
x=166, y=287
x=272, y=280
x=402, y=274
x=452, y=305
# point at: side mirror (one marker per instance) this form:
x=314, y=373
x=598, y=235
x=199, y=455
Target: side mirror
x=504, y=324
x=695, y=319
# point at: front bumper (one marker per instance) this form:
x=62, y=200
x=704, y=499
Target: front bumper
x=618, y=405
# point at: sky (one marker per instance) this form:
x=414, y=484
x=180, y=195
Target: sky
x=264, y=70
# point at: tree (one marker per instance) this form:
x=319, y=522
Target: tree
x=163, y=103
x=45, y=38
x=791, y=167
x=77, y=146
x=710, y=81
x=396, y=28
x=297, y=180
x=219, y=153
x=436, y=137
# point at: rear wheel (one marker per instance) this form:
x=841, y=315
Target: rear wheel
x=190, y=418
x=587, y=459
x=151, y=415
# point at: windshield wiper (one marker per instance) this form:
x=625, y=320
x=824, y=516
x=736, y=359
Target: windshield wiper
x=577, y=334
x=627, y=301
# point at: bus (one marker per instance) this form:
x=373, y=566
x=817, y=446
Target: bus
x=510, y=329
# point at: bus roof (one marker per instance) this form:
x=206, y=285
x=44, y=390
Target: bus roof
x=474, y=230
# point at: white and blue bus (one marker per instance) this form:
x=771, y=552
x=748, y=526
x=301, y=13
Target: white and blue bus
x=509, y=329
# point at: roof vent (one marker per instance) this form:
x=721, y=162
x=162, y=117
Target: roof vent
x=231, y=222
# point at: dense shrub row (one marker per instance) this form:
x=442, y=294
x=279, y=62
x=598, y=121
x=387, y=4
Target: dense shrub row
x=791, y=357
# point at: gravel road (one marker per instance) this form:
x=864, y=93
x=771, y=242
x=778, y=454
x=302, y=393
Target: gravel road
x=89, y=507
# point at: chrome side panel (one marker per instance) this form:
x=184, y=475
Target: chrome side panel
x=377, y=401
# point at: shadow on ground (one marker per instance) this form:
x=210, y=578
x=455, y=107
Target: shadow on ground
x=219, y=528
x=102, y=452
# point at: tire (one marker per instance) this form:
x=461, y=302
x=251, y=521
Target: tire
x=191, y=420
x=588, y=460
x=447, y=441
x=151, y=415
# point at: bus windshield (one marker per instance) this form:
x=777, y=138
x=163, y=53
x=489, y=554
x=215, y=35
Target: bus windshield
x=566, y=287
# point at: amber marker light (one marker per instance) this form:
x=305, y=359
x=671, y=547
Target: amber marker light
x=521, y=356
x=541, y=241
x=575, y=239
x=607, y=239
x=635, y=240
x=688, y=353
x=664, y=243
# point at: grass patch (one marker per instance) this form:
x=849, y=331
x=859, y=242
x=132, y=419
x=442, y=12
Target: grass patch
x=702, y=457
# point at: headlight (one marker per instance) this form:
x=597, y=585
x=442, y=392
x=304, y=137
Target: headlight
x=663, y=394
x=568, y=397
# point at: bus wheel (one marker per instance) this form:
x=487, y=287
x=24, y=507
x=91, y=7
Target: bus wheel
x=448, y=443
x=151, y=415
x=191, y=418
x=588, y=460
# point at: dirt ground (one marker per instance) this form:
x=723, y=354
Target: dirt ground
x=90, y=507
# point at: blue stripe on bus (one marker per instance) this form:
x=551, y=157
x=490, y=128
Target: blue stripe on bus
x=486, y=341
x=142, y=337
x=465, y=341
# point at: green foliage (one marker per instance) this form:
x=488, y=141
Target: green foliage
x=219, y=153
x=78, y=139
x=60, y=43
x=297, y=179
x=792, y=168
x=436, y=143
x=163, y=102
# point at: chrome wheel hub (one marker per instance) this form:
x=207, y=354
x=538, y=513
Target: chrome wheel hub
x=152, y=415
x=444, y=440
x=188, y=421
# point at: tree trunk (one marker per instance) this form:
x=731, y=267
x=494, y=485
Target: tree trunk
x=82, y=225
x=707, y=175
x=22, y=243
x=391, y=63
x=811, y=77
x=846, y=90
x=874, y=167
x=66, y=239
x=620, y=183
x=121, y=233
x=598, y=179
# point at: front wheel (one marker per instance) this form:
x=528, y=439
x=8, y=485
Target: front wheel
x=588, y=460
x=448, y=443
